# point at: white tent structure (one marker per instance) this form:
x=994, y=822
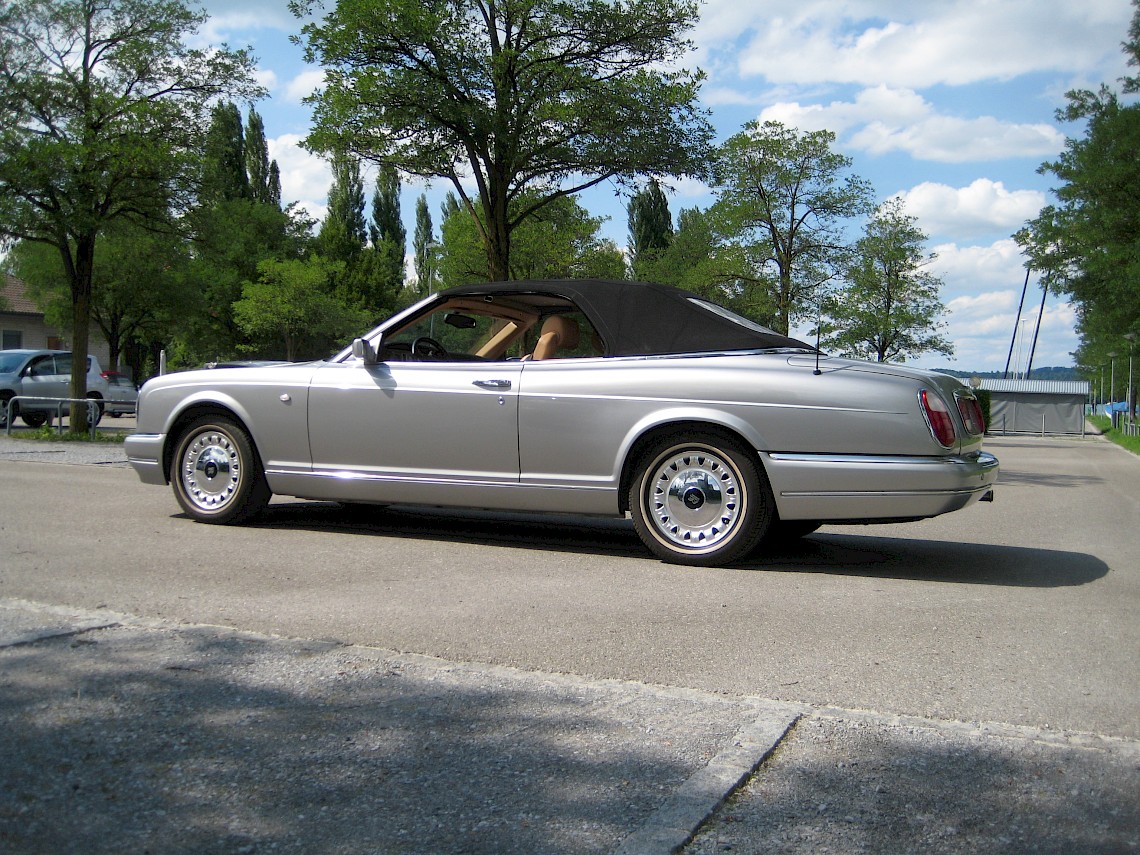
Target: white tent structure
x=1037, y=406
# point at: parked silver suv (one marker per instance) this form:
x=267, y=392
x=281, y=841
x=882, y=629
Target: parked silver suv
x=43, y=374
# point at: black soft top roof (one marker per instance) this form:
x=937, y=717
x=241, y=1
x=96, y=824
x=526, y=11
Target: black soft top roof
x=644, y=318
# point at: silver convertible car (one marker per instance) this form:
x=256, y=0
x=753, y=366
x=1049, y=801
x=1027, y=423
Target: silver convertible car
x=714, y=434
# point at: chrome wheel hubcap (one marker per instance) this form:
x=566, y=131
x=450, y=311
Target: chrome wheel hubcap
x=211, y=470
x=695, y=500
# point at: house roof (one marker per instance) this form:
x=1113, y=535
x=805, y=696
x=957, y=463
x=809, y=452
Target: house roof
x=15, y=299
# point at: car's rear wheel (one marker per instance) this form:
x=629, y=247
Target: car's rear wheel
x=4, y=399
x=216, y=473
x=34, y=420
x=701, y=499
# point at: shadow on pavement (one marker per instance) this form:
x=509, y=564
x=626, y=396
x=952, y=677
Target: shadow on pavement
x=839, y=784
x=932, y=561
x=840, y=554
x=203, y=740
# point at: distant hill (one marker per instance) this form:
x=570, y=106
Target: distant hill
x=1050, y=373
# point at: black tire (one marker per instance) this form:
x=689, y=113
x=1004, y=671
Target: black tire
x=216, y=473
x=34, y=420
x=4, y=399
x=700, y=499
x=99, y=410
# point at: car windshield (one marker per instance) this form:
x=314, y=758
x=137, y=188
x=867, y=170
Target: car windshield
x=9, y=362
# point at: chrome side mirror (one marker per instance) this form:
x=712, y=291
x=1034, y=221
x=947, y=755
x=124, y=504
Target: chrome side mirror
x=364, y=351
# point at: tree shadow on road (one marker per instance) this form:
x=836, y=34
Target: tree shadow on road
x=206, y=740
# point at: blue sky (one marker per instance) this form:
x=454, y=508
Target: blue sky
x=949, y=104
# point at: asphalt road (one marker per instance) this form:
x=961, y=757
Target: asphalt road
x=1023, y=611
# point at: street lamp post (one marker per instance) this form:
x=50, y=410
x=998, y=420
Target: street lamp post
x=1130, y=338
x=1112, y=380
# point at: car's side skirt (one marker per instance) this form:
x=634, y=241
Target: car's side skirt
x=497, y=495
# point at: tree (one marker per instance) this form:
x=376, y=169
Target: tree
x=1087, y=245
x=343, y=232
x=291, y=301
x=263, y=175
x=424, y=247
x=386, y=230
x=559, y=242
x=140, y=286
x=231, y=233
x=225, y=178
x=890, y=307
x=102, y=112
x=534, y=99
x=783, y=200
x=650, y=227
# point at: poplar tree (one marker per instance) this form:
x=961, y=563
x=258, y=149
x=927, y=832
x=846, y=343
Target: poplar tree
x=650, y=227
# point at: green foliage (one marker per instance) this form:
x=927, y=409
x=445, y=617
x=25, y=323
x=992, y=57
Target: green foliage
x=533, y=99
x=291, y=302
x=1104, y=425
x=140, y=292
x=1087, y=245
x=102, y=113
x=343, y=232
x=424, y=246
x=889, y=308
x=784, y=198
x=650, y=227
x=263, y=176
x=47, y=433
x=561, y=241
x=224, y=175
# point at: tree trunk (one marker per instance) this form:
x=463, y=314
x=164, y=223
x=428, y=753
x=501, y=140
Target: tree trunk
x=80, y=327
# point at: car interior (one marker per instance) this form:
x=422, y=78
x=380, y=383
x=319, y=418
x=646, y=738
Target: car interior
x=488, y=329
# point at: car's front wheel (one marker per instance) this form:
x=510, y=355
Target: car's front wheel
x=700, y=499
x=216, y=473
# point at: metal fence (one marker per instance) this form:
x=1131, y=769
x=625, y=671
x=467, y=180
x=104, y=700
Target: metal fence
x=93, y=405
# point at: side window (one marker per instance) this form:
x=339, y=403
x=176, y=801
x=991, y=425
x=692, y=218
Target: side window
x=564, y=335
x=44, y=366
x=63, y=364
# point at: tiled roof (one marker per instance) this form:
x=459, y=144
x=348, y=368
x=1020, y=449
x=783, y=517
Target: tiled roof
x=16, y=300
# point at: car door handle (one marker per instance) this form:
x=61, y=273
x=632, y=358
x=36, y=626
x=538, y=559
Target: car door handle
x=492, y=384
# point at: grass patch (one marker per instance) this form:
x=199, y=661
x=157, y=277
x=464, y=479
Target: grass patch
x=1104, y=425
x=47, y=433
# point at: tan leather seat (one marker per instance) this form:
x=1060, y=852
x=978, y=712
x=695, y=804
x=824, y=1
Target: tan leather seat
x=558, y=333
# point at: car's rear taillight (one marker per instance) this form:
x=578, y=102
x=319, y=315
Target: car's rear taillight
x=972, y=417
x=938, y=417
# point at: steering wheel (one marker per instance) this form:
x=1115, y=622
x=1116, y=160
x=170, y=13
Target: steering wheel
x=428, y=346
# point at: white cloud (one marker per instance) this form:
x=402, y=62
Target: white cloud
x=976, y=269
x=304, y=84
x=305, y=178
x=982, y=208
x=871, y=42
x=882, y=120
